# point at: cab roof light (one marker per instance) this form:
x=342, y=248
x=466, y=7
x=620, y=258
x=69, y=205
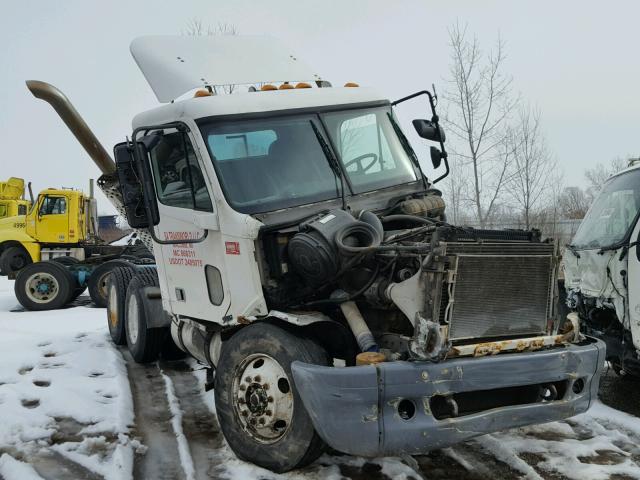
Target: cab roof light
x=268, y=87
x=202, y=93
x=285, y=86
x=303, y=85
x=351, y=84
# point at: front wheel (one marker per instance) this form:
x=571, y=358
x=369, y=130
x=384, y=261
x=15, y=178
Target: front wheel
x=14, y=259
x=44, y=286
x=259, y=409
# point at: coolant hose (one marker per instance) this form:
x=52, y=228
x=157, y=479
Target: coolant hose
x=358, y=326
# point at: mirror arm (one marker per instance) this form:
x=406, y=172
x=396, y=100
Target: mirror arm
x=436, y=121
x=146, y=181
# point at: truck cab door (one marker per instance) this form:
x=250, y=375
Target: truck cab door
x=195, y=280
x=50, y=219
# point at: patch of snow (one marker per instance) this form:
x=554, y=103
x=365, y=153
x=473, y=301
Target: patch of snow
x=12, y=469
x=64, y=387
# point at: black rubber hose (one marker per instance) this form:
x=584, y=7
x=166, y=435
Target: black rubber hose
x=346, y=298
x=408, y=218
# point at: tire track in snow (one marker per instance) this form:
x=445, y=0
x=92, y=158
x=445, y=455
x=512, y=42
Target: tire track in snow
x=199, y=426
x=176, y=423
x=153, y=423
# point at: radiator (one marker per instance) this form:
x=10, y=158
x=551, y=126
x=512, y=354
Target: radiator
x=498, y=290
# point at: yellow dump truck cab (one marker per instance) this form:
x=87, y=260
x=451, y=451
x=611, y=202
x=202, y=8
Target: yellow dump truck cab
x=59, y=222
x=11, y=208
x=58, y=217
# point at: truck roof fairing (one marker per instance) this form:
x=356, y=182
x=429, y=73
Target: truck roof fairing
x=175, y=65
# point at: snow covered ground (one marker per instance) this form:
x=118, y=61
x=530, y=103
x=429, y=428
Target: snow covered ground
x=67, y=412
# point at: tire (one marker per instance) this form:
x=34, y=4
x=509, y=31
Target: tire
x=14, y=259
x=98, y=281
x=144, y=343
x=65, y=260
x=278, y=446
x=117, y=287
x=44, y=286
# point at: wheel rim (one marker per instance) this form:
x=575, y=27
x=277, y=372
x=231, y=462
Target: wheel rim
x=42, y=287
x=103, y=284
x=132, y=319
x=263, y=398
x=112, y=306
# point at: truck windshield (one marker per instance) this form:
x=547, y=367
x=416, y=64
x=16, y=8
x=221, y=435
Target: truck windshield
x=369, y=148
x=271, y=163
x=612, y=213
x=274, y=163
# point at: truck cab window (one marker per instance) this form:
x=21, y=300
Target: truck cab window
x=371, y=152
x=53, y=206
x=178, y=178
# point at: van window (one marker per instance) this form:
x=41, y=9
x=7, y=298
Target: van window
x=178, y=178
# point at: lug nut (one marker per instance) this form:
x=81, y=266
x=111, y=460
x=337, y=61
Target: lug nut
x=247, y=379
x=243, y=387
x=261, y=421
x=268, y=413
x=252, y=421
x=265, y=386
x=244, y=413
x=257, y=379
x=270, y=399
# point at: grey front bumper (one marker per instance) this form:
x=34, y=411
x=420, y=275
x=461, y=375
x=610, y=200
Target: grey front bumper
x=354, y=409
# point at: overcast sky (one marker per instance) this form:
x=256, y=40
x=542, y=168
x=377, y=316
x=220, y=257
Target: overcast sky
x=577, y=60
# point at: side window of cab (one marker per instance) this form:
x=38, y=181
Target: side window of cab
x=178, y=178
x=52, y=205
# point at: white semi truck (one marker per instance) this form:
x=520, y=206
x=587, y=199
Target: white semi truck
x=305, y=259
x=602, y=267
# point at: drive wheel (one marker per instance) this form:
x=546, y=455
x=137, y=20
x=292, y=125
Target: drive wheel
x=144, y=343
x=259, y=409
x=44, y=286
x=14, y=259
x=118, y=281
x=99, y=279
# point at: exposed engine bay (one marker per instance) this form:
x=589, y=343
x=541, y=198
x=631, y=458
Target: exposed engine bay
x=411, y=285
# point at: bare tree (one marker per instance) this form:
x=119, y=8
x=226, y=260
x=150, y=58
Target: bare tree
x=196, y=28
x=532, y=164
x=480, y=104
x=456, y=191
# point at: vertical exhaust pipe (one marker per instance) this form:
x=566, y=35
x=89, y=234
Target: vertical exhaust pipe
x=74, y=121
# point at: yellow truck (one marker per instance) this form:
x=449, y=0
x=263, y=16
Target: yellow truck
x=59, y=232
x=12, y=201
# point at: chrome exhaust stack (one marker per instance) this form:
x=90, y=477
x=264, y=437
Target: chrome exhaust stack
x=74, y=122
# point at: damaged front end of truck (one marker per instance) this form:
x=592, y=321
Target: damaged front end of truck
x=601, y=266
x=482, y=349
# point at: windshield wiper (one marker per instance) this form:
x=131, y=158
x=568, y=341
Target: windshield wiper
x=573, y=250
x=407, y=147
x=333, y=161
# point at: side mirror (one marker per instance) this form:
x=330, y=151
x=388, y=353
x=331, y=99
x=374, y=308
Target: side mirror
x=427, y=130
x=436, y=157
x=136, y=185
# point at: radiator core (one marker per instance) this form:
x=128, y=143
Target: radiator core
x=500, y=292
